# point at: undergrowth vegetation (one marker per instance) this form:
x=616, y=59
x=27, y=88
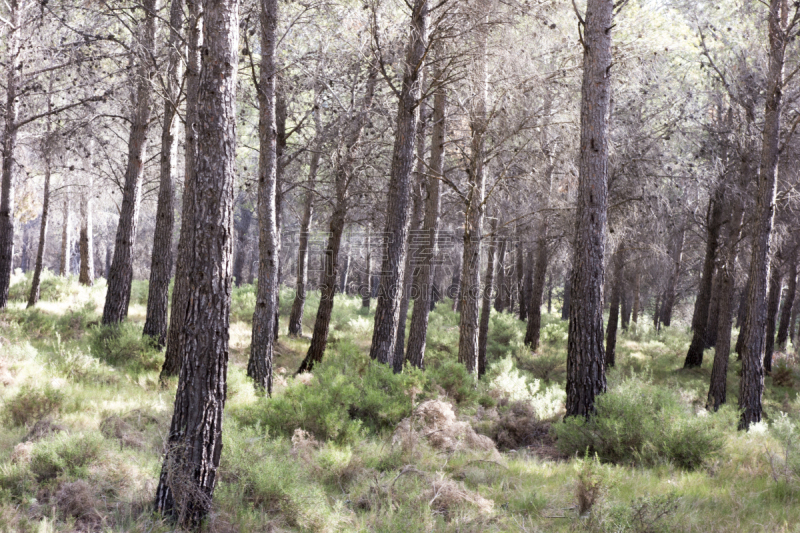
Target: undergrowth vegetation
x=354, y=447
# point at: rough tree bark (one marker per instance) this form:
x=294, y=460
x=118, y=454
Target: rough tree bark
x=694, y=357
x=415, y=352
x=613, y=314
x=713, y=310
x=66, y=235
x=773, y=302
x=242, y=226
x=502, y=297
x=567, y=295
x=586, y=376
x=86, y=237
x=788, y=301
x=637, y=295
x=534, y=328
x=520, y=268
x=676, y=254
x=387, y=313
x=33, y=297
x=118, y=295
x=752, y=383
x=259, y=367
x=486, y=297
x=194, y=444
x=181, y=290
x=366, y=294
x=155, y=324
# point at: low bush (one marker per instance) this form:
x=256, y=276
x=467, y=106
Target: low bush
x=52, y=288
x=31, y=404
x=65, y=454
x=123, y=345
x=640, y=423
x=347, y=395
x=243, y=303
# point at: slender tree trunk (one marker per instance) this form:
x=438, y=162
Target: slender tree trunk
x=694, y=357
x=415, y=352
x=713, y=311
x=752, y=383
x=86, y=239
x=567, y=295
x=717, y=391
x=259, y=367
x=33, y=297
x=118, y=295
x=66, y=235
x=793, y=320
x=788, y=301
x=637, y=296
x=486, y=304
x=242, y=227
x=657, y=313
x=586, y=376
x=534, y=328
x=625, y=307
x=387, y=313
x=299, y=303
x=501, y=300
x=319, y=338
x=773, y=303
x=366, y=295
x=183, y=283
x=345, y=271
x=13, y=69
x=676, y=254
x=521, y=278
x=194, y=445
x=549, y=293
x=155, y=324
x=613, y=314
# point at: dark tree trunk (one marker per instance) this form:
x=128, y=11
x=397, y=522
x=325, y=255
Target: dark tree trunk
x=637, y=295
x=194, y=445
x=33, y=297
x=501, y=300
x=344, y=273
x=319, y=339
x=486, y=304
x=155, y=324
x=66, y=235
x=741, y=316
x=717, y=391
x=586, y=376
x=118, y=295
x=299, y=303
x=13, y=69
x=625, y=307
x=417, y=338
x=181, y=290
x=752, y=382
x=676, y=254
x=694, y=357
x=533, y=330
x=366, y=294
x=788, y=301
x=773, y=302
x=549, y=293
x=521, y=278
x=613, y=313
x=713, y=312
x=387, y=313
x=793, y=320
x=242, y=227
x=259, y=367
x=657, y=313
x=86, y=239
x=567, y=295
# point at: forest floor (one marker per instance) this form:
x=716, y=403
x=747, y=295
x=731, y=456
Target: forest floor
x=353, y=447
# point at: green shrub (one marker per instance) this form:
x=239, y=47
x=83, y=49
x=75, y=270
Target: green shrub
x=65, y=454
x=52, y=288
x=16, y=480
x=641, y=423
x=450, y=376
x=243, y=303
x=349, y=394
x=31, y=404
x=123, y=345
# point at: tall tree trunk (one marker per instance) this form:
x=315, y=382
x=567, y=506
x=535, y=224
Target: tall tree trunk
x=549, y=293
x=86, y=238
x=501, y=300
x=586, y=376
x=773, y=302
x=299, y=303
x=13, y=69
x=694, y=357
x=366, y=295
x=567, y=295
x=534, y=328
x=717, y=391
x=625, y=307
x=657, y=313
x=259, y=367
x=788, y=301
x=155, y=324
x=182, y=288
x=194, y=444
x=344, y=274
x=118, y=295
x=521, y=278
x=33, y=297
x=319, y=338
x=676, y=255
x=242, y=227
x=387, y=313
x=66, y=235
x=637, y=295
x=752, y=383
x=793, y=319
x=713, y=311
x=613, y=313
x=486, y=304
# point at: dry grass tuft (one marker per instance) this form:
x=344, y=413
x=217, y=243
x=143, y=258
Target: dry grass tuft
x=76, y=500
x=43, y=428
x=435, y=421
x=130, y=429
x=446, y=495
